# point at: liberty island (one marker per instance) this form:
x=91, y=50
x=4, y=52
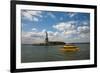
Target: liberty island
x=49, y=43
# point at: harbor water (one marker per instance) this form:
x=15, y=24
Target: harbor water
x=31, y=53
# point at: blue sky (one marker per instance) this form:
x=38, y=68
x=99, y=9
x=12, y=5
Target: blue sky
x=61, y=26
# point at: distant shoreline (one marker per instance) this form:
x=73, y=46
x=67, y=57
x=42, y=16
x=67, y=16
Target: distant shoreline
x=43, y=44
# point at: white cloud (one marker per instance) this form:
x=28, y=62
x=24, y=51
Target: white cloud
x=35, y=19
x=72, y=14
x=59, y=27
x=26, y=15
x=44, y=30
x=73, y=33
x=83, y=29
x=31, y=15
x=84, y=32
x=34, y=13
x=34, y=29
x=64, y=26
x=85, y=23
x=32, y=37
x=51, y=15
x=39, y=37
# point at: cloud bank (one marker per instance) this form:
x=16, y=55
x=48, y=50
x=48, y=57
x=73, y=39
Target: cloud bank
x=65, y=32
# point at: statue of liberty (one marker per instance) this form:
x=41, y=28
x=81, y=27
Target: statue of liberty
x=46, y=39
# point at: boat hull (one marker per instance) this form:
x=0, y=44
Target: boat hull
x=69, y=50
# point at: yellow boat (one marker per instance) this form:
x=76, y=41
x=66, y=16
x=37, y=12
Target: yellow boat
x=70, y=48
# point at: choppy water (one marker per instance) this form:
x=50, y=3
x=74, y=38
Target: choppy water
x=31, y=53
